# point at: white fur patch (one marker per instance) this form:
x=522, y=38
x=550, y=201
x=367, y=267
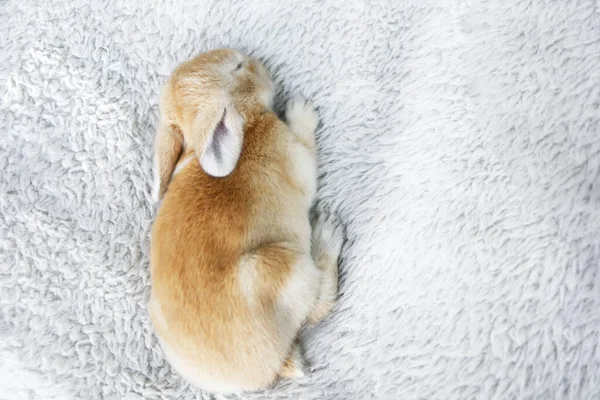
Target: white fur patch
x=304, y=167
x=248, y=276
x=182, y=164
x=302, y=119
x=299, y=294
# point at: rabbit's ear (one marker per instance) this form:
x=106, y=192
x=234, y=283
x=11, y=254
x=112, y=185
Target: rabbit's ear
x=219, y=153
x=168, y=146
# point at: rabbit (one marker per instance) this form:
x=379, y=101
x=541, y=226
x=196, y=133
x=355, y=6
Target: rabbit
x=236, y=270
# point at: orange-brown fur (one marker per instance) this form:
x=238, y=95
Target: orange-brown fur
x=225, y=251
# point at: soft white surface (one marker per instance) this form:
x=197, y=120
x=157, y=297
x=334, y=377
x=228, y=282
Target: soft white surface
x=460, y=144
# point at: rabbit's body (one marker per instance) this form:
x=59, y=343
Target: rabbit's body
x=233, y=276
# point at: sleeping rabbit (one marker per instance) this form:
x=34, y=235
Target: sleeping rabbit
x=236, y=268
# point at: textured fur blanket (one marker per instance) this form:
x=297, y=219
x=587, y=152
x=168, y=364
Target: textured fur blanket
x=460, y=145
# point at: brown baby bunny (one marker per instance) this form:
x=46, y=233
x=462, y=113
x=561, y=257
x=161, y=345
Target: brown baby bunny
x=234, y=273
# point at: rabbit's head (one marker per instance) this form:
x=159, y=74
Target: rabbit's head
x=204, y=106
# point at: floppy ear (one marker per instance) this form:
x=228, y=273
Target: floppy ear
x=168, y=146
x=221, y=150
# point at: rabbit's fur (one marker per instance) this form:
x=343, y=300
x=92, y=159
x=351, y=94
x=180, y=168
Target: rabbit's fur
x=233, y=276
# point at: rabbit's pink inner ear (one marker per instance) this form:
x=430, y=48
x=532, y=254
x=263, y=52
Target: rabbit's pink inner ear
x=168, y=148
x=224, y=145
x=218, y=137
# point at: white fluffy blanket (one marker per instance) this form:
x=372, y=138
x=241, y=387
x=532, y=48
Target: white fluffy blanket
x=460, y=145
